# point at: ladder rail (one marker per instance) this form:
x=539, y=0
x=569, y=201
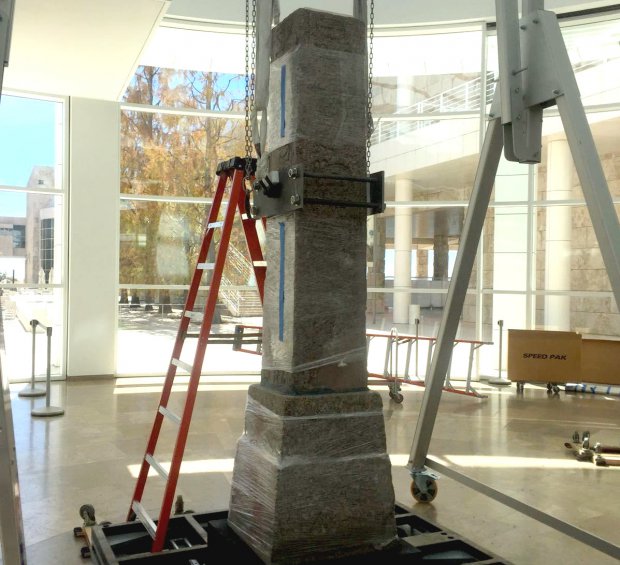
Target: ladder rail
x=233, y=174
x=192, y=390
x=178, y=346
x=254, y=247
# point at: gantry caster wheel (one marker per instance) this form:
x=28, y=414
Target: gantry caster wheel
x=520, y=387
x=397, y=397
x=426, y=491
x=85, y=552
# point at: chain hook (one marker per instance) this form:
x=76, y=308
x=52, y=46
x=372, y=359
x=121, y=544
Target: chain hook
x=369, y=121
x=250, y=84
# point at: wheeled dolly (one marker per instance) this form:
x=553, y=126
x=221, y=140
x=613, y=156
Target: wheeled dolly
x=87, y=513
x=198, y=539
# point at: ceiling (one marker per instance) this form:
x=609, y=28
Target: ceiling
x=78, y=47
x=90, y=48
x=387, y=12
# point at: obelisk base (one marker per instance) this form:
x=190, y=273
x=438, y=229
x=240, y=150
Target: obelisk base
x=312, y=479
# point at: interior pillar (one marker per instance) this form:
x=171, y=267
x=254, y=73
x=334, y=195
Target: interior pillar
x=558, y=235
x=403, y=233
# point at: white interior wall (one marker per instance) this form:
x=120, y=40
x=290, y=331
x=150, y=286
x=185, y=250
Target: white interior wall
x=94, y=186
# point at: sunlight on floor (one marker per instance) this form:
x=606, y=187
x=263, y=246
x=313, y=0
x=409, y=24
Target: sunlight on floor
x=505, y=462
x=190, y=467
x=498, y=462
x=180, y=388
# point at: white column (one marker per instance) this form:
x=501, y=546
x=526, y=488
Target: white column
x=558, y=235
x=403, y=233
x=94, y=185
x=404, y=92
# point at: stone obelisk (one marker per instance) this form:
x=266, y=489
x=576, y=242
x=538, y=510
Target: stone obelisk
x=312, y=479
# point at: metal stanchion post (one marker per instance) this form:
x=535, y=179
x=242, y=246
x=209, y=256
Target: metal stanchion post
x=417, y=343
x=499, y=380
x=32, y=390
x=48, y=410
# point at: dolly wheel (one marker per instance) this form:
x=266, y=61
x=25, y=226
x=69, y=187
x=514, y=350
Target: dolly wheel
x=87, y=513
x=426, y=494
x=397, y=397
x=85, y=552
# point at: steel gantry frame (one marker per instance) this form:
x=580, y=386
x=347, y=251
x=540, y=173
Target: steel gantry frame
x=534, y=73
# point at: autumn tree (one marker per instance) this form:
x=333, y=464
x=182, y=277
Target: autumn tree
x=164, y=154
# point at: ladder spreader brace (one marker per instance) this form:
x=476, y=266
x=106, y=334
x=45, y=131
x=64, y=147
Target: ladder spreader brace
x=230, y=177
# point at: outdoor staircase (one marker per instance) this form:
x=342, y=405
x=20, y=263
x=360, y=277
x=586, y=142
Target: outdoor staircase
x=241, y=303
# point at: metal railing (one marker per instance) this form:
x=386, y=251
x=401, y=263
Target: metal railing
x=465, y=97
x=240, y=302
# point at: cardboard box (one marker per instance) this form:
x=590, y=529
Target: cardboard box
x=600, y=361
x=544, y=356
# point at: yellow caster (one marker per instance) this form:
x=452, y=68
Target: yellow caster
x=424, y=489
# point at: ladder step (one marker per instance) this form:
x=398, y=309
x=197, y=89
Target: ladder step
x=214, y=225
x=143, y=516
x=194, y=316
x=157, y=466
x=182, y=365
x=170, y=415
x=205, y=266
x=260, y=263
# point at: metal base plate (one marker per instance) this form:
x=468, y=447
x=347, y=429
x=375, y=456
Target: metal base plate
x=31, y=392
x=499, y=381
x=207, y=538
x=48, y=411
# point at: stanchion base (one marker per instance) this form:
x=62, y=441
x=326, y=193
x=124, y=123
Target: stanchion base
x=31, y=391
x=48, y=411
x=500, y=382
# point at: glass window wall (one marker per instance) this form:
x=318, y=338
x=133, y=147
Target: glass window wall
x=32, y=232
x=177, y=125
x=432, y=92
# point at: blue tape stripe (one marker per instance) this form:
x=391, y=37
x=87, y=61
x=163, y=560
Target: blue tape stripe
x=283, y=101
x=281, y=290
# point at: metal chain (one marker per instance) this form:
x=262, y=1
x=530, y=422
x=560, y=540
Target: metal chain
x=370, y=126
x=250, y=81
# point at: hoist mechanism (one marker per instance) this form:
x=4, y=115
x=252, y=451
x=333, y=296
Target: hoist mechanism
x=535, y=72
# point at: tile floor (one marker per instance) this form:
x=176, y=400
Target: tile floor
x=511, y=442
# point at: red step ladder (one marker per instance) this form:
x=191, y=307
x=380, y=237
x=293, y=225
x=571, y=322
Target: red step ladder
x=231, y=177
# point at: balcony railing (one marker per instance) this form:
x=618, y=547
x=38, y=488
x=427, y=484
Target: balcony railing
x=465, y=97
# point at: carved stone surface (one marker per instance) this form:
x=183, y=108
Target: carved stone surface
x=314, y=311
x=312, y=479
